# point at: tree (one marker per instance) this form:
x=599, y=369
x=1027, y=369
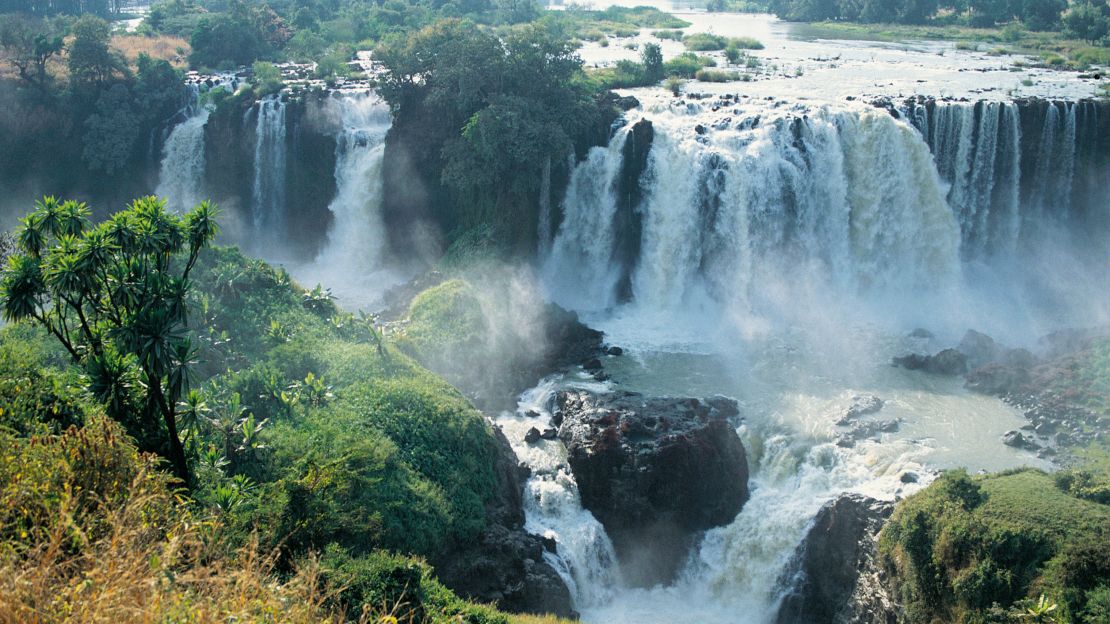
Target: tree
x=1042, y=14
x=29, y=45
x=114, y=295
x=652, y=58
x=1087, y=21
x=111, y=131
x=91, y=62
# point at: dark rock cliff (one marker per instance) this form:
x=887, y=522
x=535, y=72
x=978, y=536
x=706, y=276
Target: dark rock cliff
x=654, y=471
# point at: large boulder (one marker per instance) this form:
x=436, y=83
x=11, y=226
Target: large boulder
x=980, y=349
x=654, y=471
x=834, y=576
x=949, y=362
x=505, y=565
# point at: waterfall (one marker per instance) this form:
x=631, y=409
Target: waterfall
x=181, y=179
x=580, y=271
x=181, y=174
x=584, y=556
x=268, y=190
x=852, y=196
x=356, y=237
x=977, y=149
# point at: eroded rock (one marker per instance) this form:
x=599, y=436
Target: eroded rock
x=655, y=472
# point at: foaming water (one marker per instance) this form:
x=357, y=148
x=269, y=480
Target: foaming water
x=351, y=261
x=786, y=254
x=181, y=178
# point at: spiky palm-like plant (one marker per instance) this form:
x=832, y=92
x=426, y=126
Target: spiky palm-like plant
x=113, y=295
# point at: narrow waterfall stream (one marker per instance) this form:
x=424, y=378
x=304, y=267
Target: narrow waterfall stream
x=351, y=259
x=181, y=175
x=268, y=189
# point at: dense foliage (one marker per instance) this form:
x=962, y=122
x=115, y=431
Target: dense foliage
x=493, y=109
x=974, y=549
x=304, y=428
x=78, y=116
x=114, y=296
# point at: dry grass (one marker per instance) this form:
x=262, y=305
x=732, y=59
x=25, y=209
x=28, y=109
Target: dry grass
x=81, y=545
x=173, y=49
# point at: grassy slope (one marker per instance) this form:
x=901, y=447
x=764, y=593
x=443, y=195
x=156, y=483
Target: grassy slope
x=963, y=544
x=380, y=454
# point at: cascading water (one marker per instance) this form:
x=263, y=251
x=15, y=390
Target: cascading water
x=351, y=259
x=268, y=190
x=356, y=238
x=181, y=177
x=585, y=558
x=784, y=254
x=181, y=180
x=855, y=193
x=580, y=270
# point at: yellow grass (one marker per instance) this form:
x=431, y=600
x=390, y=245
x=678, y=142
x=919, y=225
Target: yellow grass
x=163, y=47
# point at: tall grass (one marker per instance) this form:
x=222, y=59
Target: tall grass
x=93, y=533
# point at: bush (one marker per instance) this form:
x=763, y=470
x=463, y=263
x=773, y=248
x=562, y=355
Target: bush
x=964, y=544
x=686, y=65
x=715, y=75
x=400, y=586
x=704, y=42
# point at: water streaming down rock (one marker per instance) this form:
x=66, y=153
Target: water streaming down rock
x=356, y=237
x=584, y=555
x=579, y=269
x=268, y=189
x=738, y=200
x=181, y=180
x=853, y=195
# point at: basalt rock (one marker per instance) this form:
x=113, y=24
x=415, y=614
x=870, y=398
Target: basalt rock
x=834, y=577
x=949, y=362
x=505, y=565
x=655, y=472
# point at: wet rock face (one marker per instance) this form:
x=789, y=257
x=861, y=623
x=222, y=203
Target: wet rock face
x=654, y=471
x=949, y=362
x=834, y=577
x=505, y=565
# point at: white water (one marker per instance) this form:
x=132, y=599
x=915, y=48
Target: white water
x=181, y=180
x=351, y=259
x=268, y=188
x=787, y=251
x=579, y=270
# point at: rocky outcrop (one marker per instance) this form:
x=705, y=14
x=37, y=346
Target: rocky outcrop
x=949, y=362
x=505, y=566
x=654, y=471
x=628, y=218
x=834, y=577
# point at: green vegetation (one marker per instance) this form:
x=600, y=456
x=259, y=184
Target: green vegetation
x=716, y=75
x=704, y=42
x=304, y=429
x=687, y=65
x=985, y=549
x=524, y=102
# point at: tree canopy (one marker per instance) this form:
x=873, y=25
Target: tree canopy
x=114, y=295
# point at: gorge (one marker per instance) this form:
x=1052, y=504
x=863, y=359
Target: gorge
x=724, y=434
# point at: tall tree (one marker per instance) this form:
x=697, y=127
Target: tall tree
x=29, y=45
x=114, y=295
x=91, y=62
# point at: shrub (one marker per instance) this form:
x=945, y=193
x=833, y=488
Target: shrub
x=704, y=42
x=686, y=65
x=714, y=75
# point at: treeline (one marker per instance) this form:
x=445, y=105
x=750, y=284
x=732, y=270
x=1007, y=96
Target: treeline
x=1081, y=17
x=225, y=34
x=77, y=115
x=64, y=7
